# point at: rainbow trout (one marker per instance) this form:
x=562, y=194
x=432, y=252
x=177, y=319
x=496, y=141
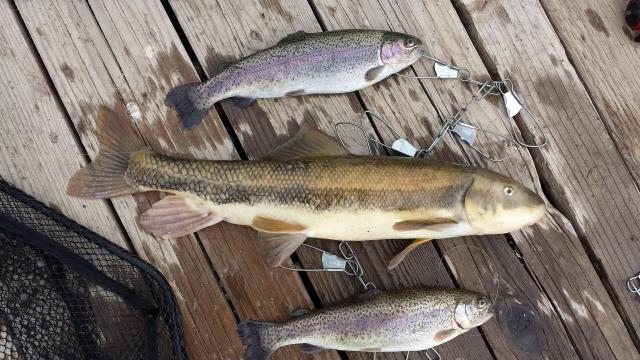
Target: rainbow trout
x=301, y=63
x=403, y=320
x=309, y=187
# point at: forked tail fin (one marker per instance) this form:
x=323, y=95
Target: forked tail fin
x=184, y=100
x=258, y=339
x=104, y=177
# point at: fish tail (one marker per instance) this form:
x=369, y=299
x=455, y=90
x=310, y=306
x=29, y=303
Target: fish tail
x=105, y=176
x=184, y=100
x=259, y=339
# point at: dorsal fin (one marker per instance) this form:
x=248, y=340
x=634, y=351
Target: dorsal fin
x=307, y=143
x=293, y=36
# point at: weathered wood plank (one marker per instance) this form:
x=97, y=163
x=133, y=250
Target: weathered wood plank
x=38, y=147
x=119, y=61
x=606, y=62
x=226, y=30
x=607, y=220
x=552, y=252
x=83, y=72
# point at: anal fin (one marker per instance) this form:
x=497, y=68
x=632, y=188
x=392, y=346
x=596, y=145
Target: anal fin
x=242, y=102
x=177, y=215
x=310, y=349
x=402, y=254
x=279, y=246
x=295, y=92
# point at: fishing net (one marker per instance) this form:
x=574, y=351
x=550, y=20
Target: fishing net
x=66, y=293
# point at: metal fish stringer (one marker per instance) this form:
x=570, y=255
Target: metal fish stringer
x=347, y=263
x=633, y=284
x=513, y=106
x=432, y=354
x=400, y=144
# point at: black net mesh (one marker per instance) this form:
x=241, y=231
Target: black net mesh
x=67, y=293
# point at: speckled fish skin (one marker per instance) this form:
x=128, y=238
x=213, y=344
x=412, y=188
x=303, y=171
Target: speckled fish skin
x=318, y=63
x=302, y=63
x=403, y=320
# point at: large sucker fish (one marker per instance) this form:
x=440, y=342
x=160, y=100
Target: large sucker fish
x=301, y=63
x=401, y=320
x=309, y=187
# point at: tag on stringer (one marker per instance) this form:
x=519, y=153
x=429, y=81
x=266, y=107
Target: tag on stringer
x=512, y=103
x=404, y=147
x=331, y=262
x=465, y=132
x=445, y=71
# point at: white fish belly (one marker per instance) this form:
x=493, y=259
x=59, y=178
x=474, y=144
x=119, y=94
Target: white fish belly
x=415, y=343
x=336, y=225
x=329, y=84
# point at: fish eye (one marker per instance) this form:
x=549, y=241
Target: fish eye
x=482, y=303
x=409, y=42
x=508, y=190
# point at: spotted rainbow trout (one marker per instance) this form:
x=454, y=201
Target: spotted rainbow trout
x=309, y=187
x=301, y=63
x=403, y=320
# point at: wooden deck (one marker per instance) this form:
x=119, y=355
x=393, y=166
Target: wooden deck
x=571, y=61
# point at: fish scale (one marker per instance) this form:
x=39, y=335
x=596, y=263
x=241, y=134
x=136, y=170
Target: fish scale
x=349, y=183
x=309, y=187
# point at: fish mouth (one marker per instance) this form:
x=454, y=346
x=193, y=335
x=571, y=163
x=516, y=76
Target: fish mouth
x=538, y=213
x=486, y=317
x=416, y=54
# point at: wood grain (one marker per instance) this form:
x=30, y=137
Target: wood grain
x=550, y=245
x=226, y=30
x=592, y=186
x=120, y=61
x=35, y=133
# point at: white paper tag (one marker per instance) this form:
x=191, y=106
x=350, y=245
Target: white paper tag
x=445, y=71
x=332, y=262
x=465, y=133
x=512, y=103
x=404, y=147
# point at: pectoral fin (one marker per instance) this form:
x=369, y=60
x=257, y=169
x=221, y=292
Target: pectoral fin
x=401, y=255
x=177, y=215
x=439, y=224
x=279, y=246
x=373, y=73
x=445, y=335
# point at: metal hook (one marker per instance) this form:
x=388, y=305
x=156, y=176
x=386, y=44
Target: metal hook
x=330, y=263
x=354, y=265
x=443, y=70
x=400, y=144
x=348, y=264
x=435, y=352
x=633, y=284
x=513, y=106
